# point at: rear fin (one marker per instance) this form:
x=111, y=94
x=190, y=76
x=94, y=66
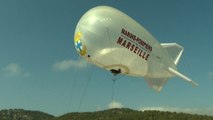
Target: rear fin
x=175, y=72
x=174, y=50
x=156, y=83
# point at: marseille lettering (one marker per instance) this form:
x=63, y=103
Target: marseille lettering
x=134, y=48
x=136, y=39
x=134, y=44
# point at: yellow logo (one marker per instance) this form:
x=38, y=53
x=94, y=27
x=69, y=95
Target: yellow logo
x=78, y=44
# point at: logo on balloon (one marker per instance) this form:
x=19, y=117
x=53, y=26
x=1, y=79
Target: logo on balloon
x=78, y=44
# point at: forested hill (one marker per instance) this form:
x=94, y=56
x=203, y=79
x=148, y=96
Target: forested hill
x=128, y=114
x=112, y=114
x=20, y=114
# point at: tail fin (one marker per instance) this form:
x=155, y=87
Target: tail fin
x=174, y=50
x=175, y=72
x=156, y=83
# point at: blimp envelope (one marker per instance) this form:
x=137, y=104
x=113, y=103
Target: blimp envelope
x=97, y=34
x=114, y=41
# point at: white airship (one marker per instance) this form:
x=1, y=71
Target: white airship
x=114, y=41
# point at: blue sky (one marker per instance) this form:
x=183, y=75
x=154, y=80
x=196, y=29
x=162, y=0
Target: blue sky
x=41, y=70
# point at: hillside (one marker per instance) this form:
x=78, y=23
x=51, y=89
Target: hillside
x=128, y=114
x=112, y=114
x=20, y=114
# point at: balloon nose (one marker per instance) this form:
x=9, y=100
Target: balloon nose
x=91, y=35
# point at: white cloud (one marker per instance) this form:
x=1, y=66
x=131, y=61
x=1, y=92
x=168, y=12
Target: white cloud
x=203, y=111
x=210, y=74
x=67, y=64
x=14, y=69
x=115, y=104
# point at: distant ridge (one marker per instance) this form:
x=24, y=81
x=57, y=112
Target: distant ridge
x=111, y=114
x=129, y=114
x=20, y=114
